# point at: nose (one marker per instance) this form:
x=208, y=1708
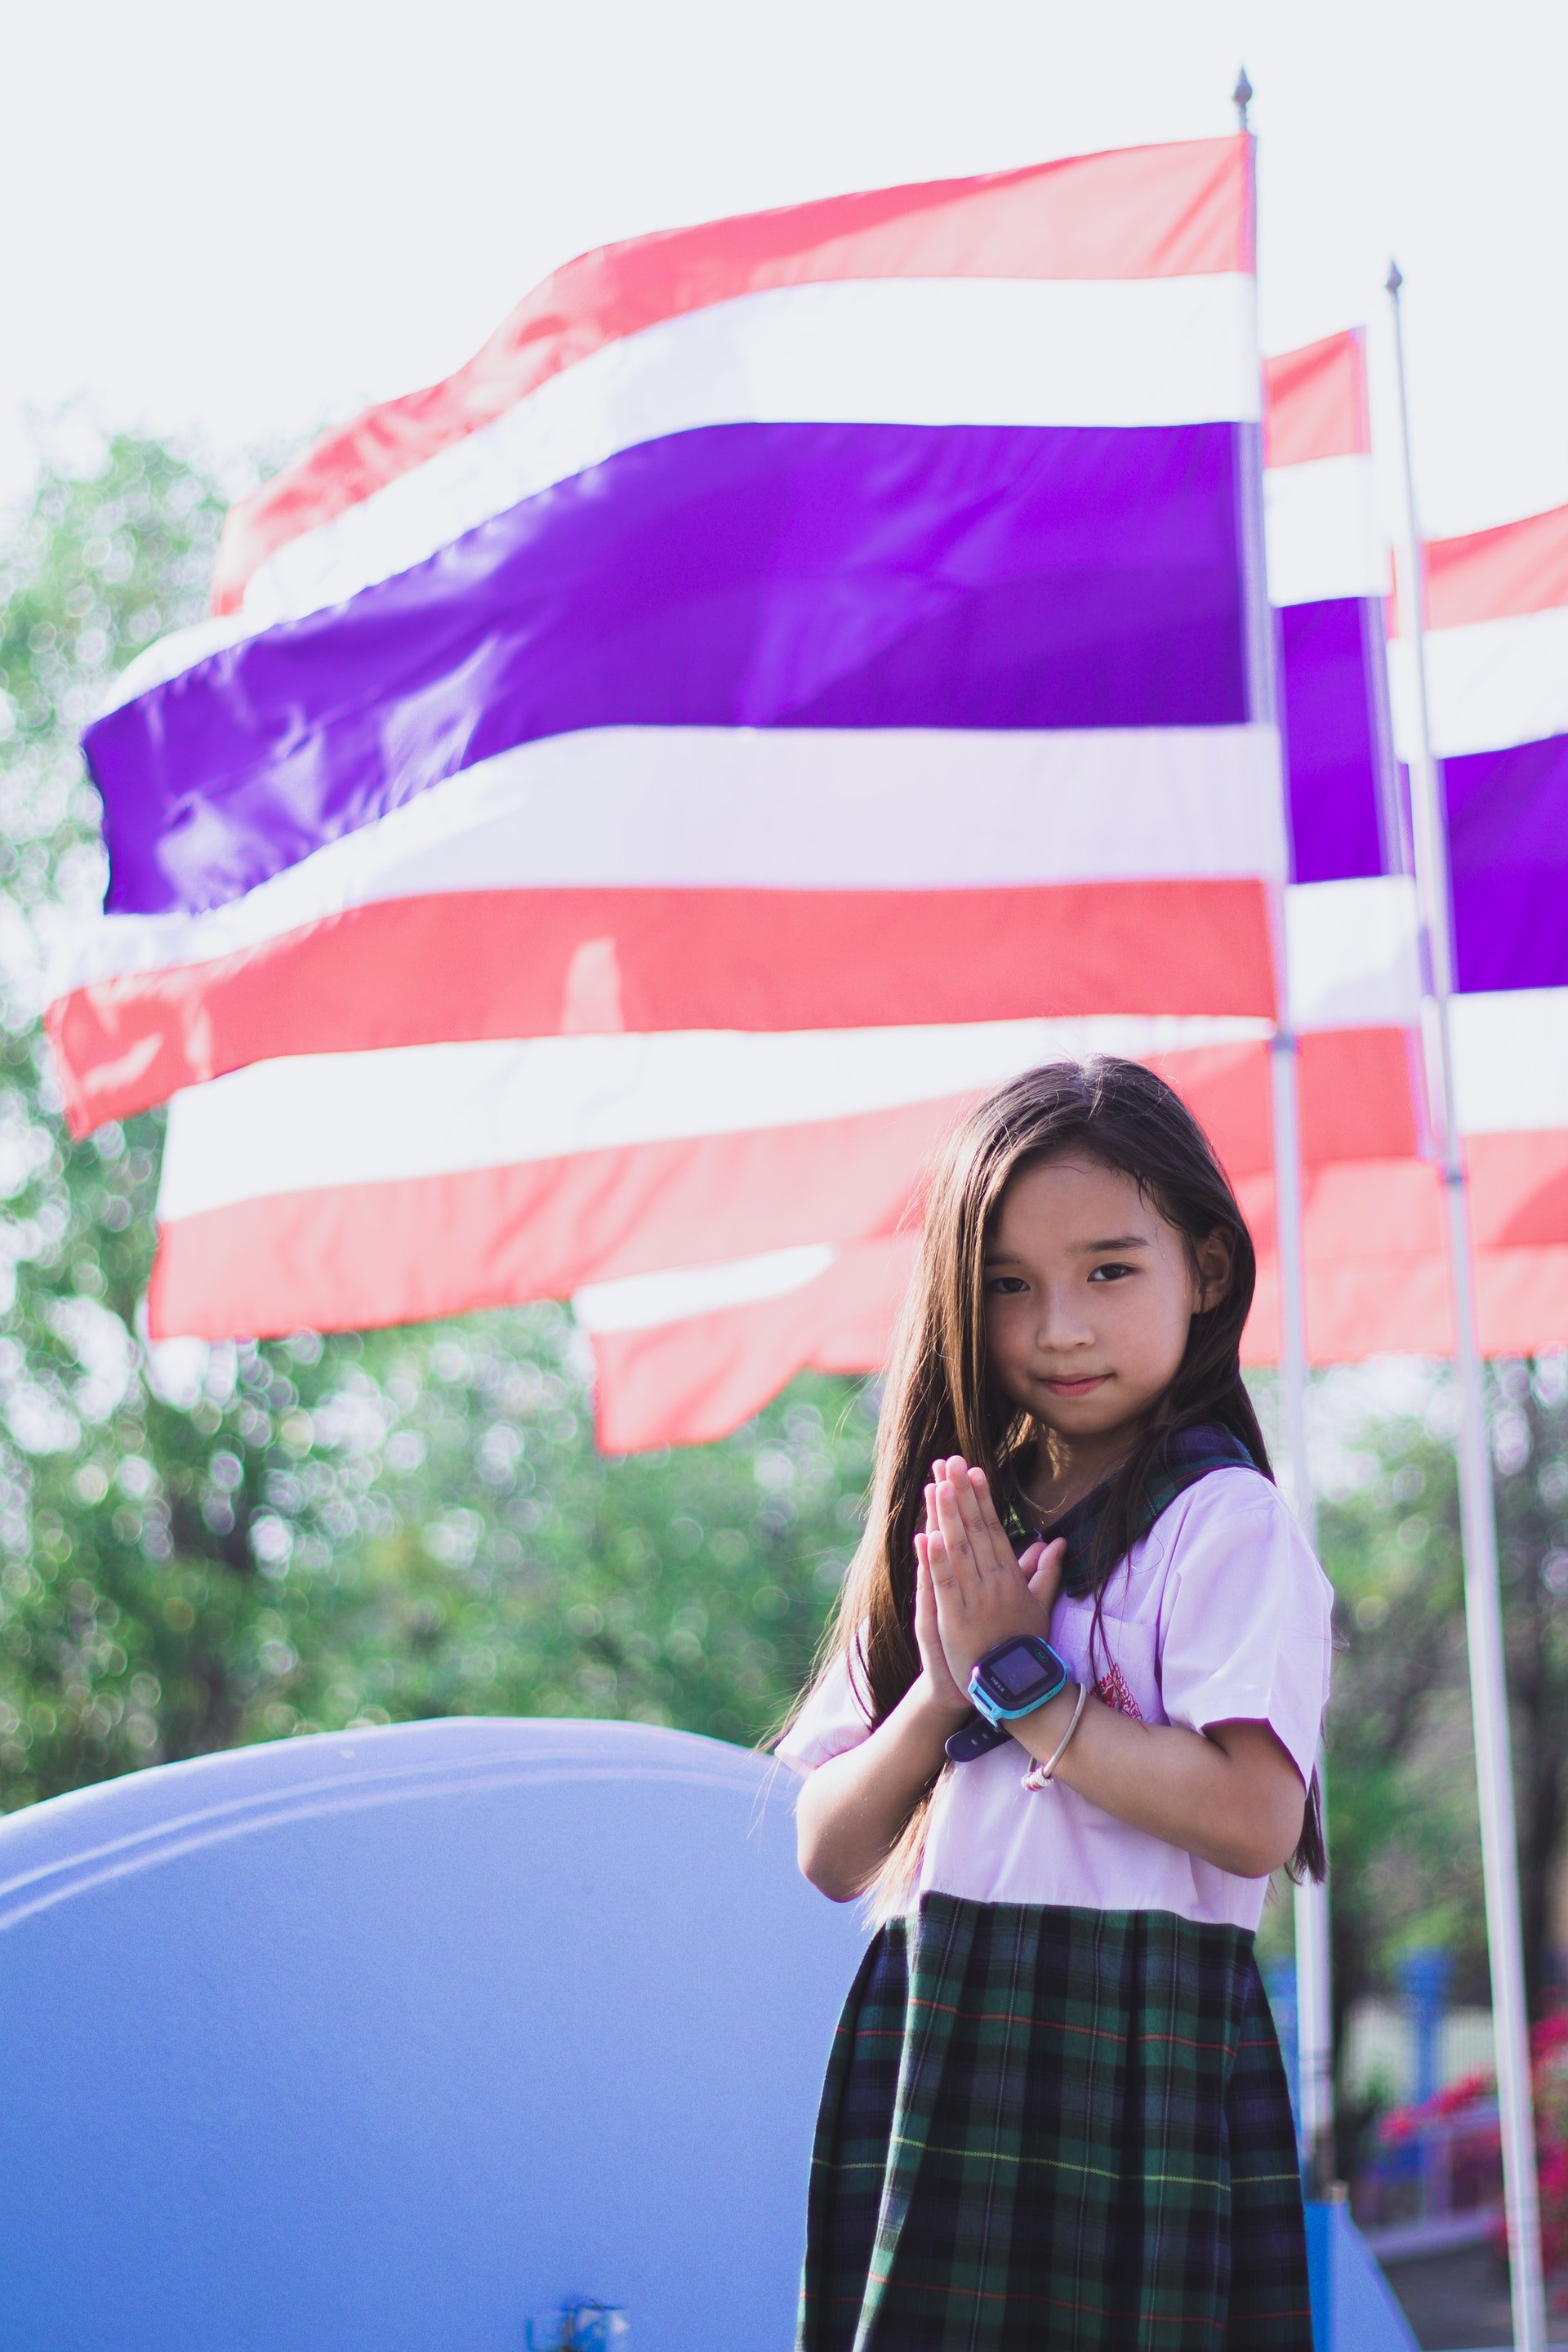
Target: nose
x=1063, y=1322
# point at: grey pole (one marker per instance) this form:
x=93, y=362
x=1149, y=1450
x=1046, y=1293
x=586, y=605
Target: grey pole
x=1478, y=1518
x=1314, y=2019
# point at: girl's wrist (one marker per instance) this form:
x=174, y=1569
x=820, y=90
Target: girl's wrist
x=945, y=1711
x=1039, y=1732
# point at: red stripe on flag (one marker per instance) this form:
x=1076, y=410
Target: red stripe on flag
x=1359, y=1090
x=1376, y=1284
x=1174, y=210
x=1376, y=1271
x=390, y=1252
x=1491, y=575
x=1519, y=1189
x=344, y=1258
x=1375, y=1280
x=526, y=963
x=686, y=1383
x=1522, y=1299
x=362, y=1255
x=1315, y=403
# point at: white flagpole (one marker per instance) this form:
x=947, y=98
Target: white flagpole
x=1477, y=1521
x=1314, y=2012
x=1314, y=2019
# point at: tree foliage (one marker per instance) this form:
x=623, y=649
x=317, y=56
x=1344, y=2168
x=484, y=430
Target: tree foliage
x=1404, y=1827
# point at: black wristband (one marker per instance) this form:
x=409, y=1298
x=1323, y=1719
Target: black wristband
x=975, y=1737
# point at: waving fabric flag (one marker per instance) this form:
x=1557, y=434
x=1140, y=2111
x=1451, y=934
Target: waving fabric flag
x=1328, y=579
x=688, y=1355
x=1351, y=911
x=1498, y=679
x=693, y=1354
x=805, y=543
x=1497, y=660
x=634, y=793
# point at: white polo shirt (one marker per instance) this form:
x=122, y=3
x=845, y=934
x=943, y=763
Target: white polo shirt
x=1220, y=1613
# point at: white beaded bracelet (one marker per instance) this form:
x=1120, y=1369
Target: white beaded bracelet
x=1041, y=1776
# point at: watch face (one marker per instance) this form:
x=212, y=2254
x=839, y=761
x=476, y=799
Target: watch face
x=1016, y=1672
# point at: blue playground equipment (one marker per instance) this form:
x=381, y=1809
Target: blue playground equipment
x=1353, y=2306
x=410, y=2040
x=465, y=2036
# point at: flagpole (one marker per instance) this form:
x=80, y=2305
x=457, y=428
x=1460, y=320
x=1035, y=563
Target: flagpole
x=1478, y=1519
x=1314, y=2016
x=1314, y=2010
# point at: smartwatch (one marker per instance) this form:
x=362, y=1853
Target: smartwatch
x=1015, y=1677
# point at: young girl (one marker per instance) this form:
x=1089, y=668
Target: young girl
x=1067, y=1729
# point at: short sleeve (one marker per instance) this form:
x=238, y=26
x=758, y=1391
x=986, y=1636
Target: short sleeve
x=833, y=1719
x=1247, y=1618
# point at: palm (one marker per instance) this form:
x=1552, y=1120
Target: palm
x=943, y=1685
x=980, y=1591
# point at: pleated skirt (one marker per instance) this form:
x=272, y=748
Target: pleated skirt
x=1049, y=2129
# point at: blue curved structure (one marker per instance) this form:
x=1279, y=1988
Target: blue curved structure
x=396, y=2039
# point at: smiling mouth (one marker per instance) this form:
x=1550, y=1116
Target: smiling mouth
x=1080, y=1386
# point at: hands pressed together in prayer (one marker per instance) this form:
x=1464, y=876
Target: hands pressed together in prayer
x=1230, y=1794
x=971, y=1589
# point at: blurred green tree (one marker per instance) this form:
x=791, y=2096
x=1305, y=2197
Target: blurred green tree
x=203, y=1546
x=1403, y=1830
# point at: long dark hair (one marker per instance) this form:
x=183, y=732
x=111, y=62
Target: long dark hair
x=940, y=1398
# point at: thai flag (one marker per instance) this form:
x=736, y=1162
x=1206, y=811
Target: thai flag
x=1497, y=658
x=806, y=670
x=1497, y=666
x=1352, y=923
x=691, y=1353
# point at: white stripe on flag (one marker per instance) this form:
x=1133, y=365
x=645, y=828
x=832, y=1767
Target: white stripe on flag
x=1491, y=684
x=1352, y=953
x=641, y=1302
x=1510, y=1061
x=768, y=808
x=339, y=1120
x=1323, y=537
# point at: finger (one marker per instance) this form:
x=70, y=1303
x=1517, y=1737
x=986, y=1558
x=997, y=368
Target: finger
x=994, y=1554
x=969, y=1497
x=939, y=1566
x=928, y=1626
x=989, y=1513
x=1046, y=1575
x=952, y=1533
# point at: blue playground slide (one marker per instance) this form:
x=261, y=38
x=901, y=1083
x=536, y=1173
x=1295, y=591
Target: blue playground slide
x=409, y=2040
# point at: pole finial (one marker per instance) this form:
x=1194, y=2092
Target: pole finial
x=1394, y=282
x=1241, y=96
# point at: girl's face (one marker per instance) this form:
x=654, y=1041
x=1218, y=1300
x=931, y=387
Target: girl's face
x=1089, y=1296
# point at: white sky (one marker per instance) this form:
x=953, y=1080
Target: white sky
x=250, y=220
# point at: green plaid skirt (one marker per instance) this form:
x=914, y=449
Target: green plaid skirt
x=1054, y=2130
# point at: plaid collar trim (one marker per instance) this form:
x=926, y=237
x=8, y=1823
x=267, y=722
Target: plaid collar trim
x=1187, y=1455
